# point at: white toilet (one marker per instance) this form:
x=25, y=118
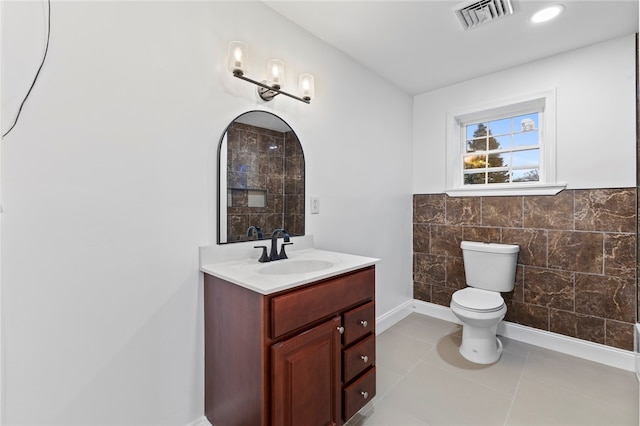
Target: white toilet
x=489, y=268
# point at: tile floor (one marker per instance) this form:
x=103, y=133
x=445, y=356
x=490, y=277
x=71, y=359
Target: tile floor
x=423, y=380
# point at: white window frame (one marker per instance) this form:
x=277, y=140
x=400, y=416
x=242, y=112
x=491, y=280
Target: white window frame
x=542, y=102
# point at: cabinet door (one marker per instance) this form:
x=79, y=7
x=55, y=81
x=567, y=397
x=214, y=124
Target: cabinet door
x=306, y=377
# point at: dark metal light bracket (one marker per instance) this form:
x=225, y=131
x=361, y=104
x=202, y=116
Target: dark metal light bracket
x=267, y=92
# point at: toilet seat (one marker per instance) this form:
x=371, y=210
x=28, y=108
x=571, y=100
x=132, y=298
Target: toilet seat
x=477, y=300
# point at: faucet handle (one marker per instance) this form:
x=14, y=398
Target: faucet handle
x=282, y=254
x=263, y=257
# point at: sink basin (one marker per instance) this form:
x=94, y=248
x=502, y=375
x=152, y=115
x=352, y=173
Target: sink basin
x=301, y=266
x=305, y=265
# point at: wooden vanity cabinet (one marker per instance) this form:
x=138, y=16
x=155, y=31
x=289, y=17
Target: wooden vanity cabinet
x=304, y=356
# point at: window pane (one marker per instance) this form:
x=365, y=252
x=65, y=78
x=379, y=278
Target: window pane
x=477, y=130
x=475, y=162
x=499, y=160
x=526, y=139
x=474, y=179
x=470, y=129
x=498, y=177
x=529, y=175
x=500, y=142
x=526, y=158
x=526, y=123
x=500, y=127
x=474, y=145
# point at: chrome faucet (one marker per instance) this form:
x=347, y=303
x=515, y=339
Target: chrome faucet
x=273, y=255
x=254, y=230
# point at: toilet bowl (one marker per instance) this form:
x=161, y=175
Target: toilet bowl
x=489, y=269
x=480, y=314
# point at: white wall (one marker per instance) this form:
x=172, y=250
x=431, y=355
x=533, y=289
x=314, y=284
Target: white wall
x=596, y=146
x=108, y=189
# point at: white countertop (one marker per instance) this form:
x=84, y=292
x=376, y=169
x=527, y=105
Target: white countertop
x=249, y=273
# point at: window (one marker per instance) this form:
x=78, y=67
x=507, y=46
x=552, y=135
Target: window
x=507, y=149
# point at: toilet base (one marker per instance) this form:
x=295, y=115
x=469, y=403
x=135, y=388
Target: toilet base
x=480, y=344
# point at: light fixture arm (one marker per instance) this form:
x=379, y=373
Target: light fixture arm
x=267, y=92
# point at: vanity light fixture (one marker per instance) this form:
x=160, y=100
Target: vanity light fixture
x=267, y=90
x=547, y=14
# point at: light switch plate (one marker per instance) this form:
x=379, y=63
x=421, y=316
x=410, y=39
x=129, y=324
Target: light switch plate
x=315, y=204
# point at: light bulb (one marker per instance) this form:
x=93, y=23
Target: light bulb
x=238, y=55
x=306, y=87
x=275, y=69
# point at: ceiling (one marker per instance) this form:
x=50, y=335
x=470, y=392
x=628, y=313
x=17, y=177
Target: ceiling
x=420, y=45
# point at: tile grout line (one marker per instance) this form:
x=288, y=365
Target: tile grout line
x=515, y=392
x=409, y=370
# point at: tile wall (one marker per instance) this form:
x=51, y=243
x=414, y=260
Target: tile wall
x=577, y=263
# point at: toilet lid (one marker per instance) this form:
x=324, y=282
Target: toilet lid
x=478, y=300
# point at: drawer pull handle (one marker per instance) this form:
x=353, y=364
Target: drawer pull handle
x=364, y=358
x=364, y=323
x=364, y=394
x=340, y=329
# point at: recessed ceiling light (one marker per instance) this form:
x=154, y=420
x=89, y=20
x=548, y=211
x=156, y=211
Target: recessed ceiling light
x=547, y=14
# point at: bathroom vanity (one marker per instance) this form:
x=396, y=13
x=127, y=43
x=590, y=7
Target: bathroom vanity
x=300, y=351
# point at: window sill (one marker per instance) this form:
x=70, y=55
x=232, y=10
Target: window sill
x=493, y=190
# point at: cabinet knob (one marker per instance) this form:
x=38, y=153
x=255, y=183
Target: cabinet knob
x=364, y=358
x=364, y=323
x=340, y=329
x=364, y=394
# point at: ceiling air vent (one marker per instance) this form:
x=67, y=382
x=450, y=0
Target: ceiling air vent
x=473, y=14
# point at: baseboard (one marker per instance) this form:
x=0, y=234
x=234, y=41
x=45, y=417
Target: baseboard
x=202, y=421
x=436, y=311
x=636, y=348
x=613, y=357
x=390, y=318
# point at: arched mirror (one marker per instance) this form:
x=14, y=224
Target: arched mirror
x=261, y=178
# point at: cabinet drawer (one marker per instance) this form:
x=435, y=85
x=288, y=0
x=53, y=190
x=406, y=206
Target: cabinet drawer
x=359, y=357
x=358, y=322
x=359, y=393
x=300, y=307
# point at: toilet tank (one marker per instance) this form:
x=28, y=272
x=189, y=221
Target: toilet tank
x=490, y=266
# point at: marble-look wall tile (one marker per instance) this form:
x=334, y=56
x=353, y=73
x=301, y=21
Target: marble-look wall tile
x=421, y=291
x=583, y=327
x=619, y=254
x=463, y=210
x=442, y=295
x=606, y=297
x=445, y=240
x=549, y=287
x=612, y=210
x=421, y=239
x=502, y=211
x=455, y=273
x=532, y=242
x=576, y=251
x=549, y=212
x=619, y=334
x=482, y=234
x=429, y=208
x=429, y=269
x=526, y=314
